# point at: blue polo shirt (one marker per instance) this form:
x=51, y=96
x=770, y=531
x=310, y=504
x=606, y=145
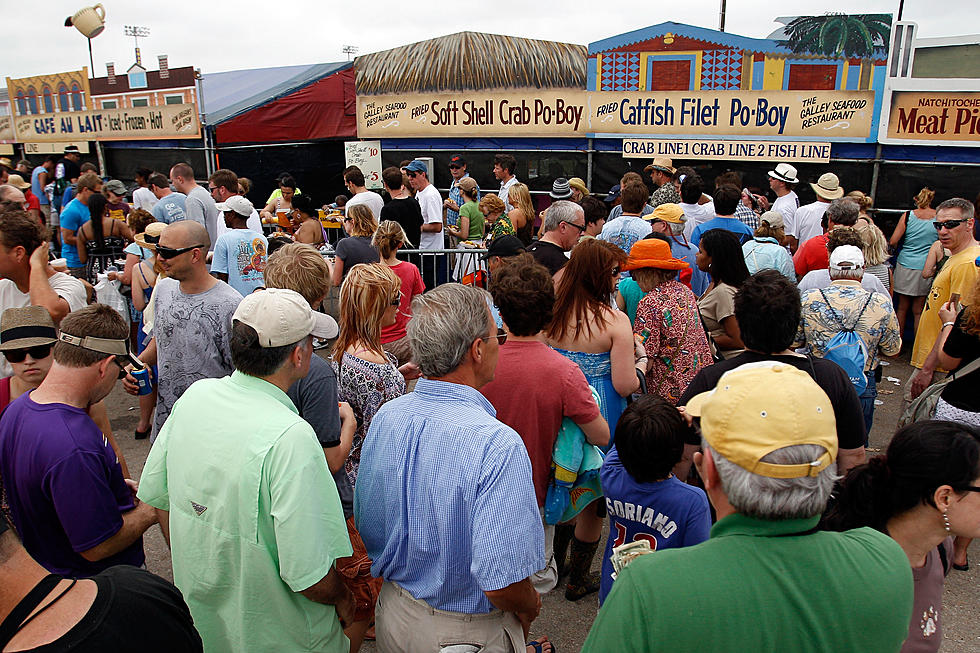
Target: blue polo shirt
x=734, y=225
x=73, y=216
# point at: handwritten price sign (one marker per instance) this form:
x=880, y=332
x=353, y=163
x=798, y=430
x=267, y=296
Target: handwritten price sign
x=366, y=155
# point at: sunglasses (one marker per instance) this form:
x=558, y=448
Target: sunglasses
x=170, y=252
x=122, y=366
x=396, y=300
x=949, y=224
x=615, y=271
x=455, y=167
x=969, y=488
x=501, y=336
x=38, y=352
x=580, y=228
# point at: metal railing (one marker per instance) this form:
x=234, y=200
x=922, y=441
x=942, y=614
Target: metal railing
x=438, y=266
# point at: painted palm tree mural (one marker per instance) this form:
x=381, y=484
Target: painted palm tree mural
x=839, y=35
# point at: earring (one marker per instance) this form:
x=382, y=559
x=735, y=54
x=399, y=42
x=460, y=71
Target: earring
x=946, y=520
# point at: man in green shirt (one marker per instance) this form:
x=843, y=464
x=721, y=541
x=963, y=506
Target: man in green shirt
x=245, y=498
x=766, y=580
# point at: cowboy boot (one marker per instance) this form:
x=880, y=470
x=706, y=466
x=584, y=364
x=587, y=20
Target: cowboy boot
x=563, y=535
x=580, y=581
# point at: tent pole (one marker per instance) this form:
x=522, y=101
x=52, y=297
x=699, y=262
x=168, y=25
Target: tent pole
x=588, y=169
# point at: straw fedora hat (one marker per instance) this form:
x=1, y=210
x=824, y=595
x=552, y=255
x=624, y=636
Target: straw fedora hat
x=653, y=253
x=828, y=187
x=30, y=326
x=149, y=238
x=661, y=163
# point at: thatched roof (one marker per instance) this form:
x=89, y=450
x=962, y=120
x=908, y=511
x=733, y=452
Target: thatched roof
x=471, y=60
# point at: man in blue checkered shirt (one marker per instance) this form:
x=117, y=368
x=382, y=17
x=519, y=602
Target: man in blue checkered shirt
x=444, y=499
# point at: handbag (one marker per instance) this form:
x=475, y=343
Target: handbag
x=923, y=407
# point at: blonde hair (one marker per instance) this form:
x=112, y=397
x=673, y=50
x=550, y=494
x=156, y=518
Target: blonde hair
x=923, y=200
x=766, y=230
x=299, y=267
x=491, y=204
x=863, y=201
x=389, y=237
x=362, y=220
x=365, y=295
x=520, y=198
x=873, y=243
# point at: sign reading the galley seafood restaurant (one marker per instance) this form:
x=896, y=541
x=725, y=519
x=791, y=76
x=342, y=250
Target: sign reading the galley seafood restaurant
x=934, y=116
x=727, y=150
x=823, y=115
x=139, y=123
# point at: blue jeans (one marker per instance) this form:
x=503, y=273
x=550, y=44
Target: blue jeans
x=868, y=403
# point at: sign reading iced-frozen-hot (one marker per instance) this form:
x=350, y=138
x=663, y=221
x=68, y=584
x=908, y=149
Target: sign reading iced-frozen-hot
x=138, y=123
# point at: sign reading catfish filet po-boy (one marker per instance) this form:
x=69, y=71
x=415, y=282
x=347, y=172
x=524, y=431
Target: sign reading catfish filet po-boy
x=139, y=123
x=827, y=115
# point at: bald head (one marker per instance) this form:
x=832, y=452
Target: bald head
x=12, y=196
x=185, y=233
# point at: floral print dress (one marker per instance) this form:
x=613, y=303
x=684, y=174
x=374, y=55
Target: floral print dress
x=667, y=318
x=366, y=386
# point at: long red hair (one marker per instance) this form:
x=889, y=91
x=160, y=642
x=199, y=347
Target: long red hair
x=586, y=284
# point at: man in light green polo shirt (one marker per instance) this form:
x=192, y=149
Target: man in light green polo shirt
x=245, y=497
x=766, y=580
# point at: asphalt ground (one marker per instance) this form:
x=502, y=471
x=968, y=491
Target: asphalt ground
x=567, y=624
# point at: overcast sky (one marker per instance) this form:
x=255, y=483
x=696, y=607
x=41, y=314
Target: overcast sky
x=218, y=35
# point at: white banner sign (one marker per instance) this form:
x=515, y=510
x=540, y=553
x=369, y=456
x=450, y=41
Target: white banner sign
x=720, y=150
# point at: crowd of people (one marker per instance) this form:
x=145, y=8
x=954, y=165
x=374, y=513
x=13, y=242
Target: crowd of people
x=697, y=371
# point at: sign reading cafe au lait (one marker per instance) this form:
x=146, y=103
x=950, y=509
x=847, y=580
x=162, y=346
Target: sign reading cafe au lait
x=139, y=123
x=819, y=115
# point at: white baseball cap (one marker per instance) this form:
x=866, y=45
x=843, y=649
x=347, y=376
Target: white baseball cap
x=238, y=204
x=283, y=317
x=847, y=257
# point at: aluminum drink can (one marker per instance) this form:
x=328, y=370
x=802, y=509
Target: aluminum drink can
x=142, y=377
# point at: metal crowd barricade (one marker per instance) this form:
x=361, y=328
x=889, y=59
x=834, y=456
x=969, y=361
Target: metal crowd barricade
x=439, y=266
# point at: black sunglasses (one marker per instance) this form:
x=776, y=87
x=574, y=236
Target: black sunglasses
x=949, y=224
x=580, y=228
x=501, y=336
x=170, y=252
x=37, y=352
x=122, y=366
x=397, y=299
x=969, y=488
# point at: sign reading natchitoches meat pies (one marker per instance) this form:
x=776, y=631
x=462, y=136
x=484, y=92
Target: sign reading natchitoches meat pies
x=823, y=115
x=139, y=123
x=934, y=116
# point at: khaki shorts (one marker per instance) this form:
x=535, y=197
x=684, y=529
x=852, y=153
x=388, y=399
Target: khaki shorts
x=405, y=624
x=400, y=349
x=356, y=572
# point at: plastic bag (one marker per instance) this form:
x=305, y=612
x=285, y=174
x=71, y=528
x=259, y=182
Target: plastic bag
x=107, y=292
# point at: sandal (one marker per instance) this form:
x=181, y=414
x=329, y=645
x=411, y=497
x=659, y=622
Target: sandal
x=142, y=435
x=963, y=567
x=539, y=646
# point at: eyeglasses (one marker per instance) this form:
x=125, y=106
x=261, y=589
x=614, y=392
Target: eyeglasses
x=411, y=174
x=949, y=224
x=212, y=189
x=615, y=271
x=170, y=252
x=397, y=299
x=455, y=167
x=37, y=352
x=969, y=488
x=580, y=227
x=501, y=336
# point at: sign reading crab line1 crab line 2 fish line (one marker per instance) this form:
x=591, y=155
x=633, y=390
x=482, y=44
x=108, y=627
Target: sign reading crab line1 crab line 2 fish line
x=715, y=150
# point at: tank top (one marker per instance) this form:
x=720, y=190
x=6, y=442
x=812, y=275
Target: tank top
x=919, y=237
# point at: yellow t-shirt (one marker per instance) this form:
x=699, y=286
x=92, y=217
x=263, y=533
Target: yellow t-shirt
x=958, y=276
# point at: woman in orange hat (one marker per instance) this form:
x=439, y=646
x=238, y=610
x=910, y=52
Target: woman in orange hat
x=667, y=320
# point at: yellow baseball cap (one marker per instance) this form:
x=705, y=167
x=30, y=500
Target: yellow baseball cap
x=758, y=408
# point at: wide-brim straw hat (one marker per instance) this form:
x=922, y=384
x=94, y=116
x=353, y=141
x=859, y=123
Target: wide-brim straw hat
x=653, y=253
x=149, y=238
x=578, y=184
x=828, y=187
x=30, y=326
x=661, y=163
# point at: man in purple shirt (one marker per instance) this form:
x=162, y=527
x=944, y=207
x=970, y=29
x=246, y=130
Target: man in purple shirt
x=68, y=500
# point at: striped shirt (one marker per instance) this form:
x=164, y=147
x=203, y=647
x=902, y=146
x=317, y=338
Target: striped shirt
x=444, y=499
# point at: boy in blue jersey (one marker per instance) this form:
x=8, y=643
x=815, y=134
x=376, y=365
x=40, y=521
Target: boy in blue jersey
x=645, y=501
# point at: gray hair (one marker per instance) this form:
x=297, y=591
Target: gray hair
x=843, y=212
x=676, y=228
x=965, y=207
x=775, y=499
x=445, y=322
x=561, y=211
x=854, y=274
